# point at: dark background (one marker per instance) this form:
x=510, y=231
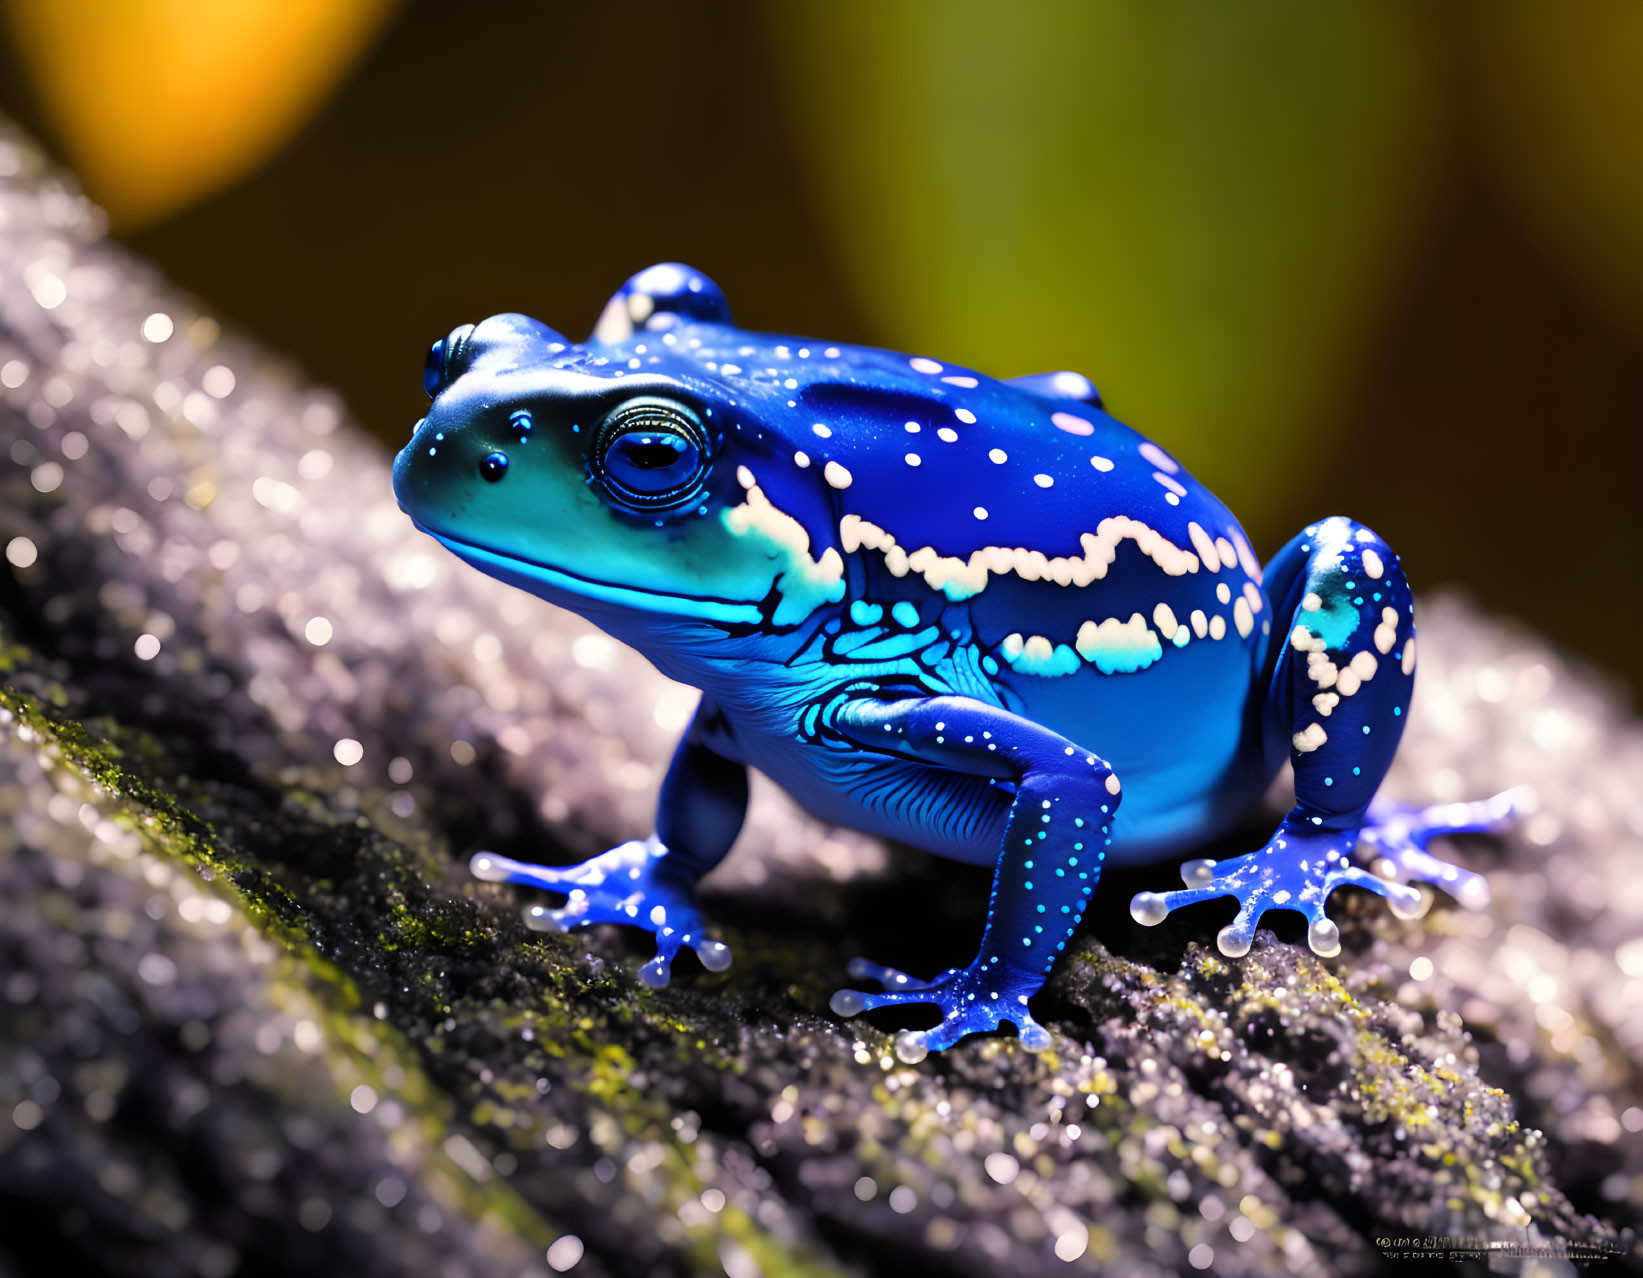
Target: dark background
x=531, y=157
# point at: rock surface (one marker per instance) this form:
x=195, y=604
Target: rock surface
x=257, y=1019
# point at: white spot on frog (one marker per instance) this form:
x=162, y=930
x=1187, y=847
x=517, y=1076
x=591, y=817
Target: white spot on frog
x=1036, y=655
x=962, y=578
x=1310, y=739
x=1202, y=543
x=1360, y=670
x=806, y=582
x=1305, y=641
x=1072, y=424
x=837, y=475
x=1119, y=647
x=1158, y=457
x=922, y=365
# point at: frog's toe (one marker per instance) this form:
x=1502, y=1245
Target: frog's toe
x=973, y=1000
x=1198, y=873
x=580, y=909
x=1151, y=908
x=614, y=870
x=1237, y=936
x=899, y=988
x=1398, y=834
x=889, y=977
x=1405, y=901
x=1414, y=864
x=541, y=918
x=682, y=931
x=961, y=1018
x=849, y=1003
x=659, y=971
x=715, y=956
x=1292, y=873
x=491, y=868
x=1243, y=877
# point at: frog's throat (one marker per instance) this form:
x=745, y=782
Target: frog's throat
x=539, y=579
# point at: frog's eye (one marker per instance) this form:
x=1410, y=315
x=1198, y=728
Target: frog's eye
x=445, y=360
x=651, y=454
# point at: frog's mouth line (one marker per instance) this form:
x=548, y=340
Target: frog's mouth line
x=530, y=575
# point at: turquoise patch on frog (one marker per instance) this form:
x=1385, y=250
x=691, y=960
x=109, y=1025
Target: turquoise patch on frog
x=1031, y=660
x=1334, y=622
x=1114, y=648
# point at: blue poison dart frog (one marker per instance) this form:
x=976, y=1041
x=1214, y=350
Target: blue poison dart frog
x=980, y=617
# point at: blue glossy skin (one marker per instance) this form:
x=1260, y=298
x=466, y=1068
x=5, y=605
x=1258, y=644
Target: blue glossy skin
x=982, y=617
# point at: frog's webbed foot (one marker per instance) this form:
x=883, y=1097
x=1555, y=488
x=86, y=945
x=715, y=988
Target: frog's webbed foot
x=1398, y=834
x=1296, y=870
x=972, y=1000
x=1300, y=867
x=630, y=884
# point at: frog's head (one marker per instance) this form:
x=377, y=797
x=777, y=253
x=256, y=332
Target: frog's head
x=617, y=477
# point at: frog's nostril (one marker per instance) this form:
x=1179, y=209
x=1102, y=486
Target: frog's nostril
x=493, y=466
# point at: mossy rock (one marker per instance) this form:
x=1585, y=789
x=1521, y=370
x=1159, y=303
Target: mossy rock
x=258, y=1019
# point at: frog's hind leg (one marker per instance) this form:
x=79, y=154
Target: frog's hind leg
x=1339, y=692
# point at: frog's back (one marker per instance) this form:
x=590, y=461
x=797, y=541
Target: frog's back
x=1102, y=590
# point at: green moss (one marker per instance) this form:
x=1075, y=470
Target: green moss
x=125, y=768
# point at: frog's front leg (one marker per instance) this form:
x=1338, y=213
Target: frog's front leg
x=651, y=883
x=1053, y=846
x=1340, y=693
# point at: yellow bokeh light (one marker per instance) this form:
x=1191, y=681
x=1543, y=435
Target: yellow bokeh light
x=161, y=102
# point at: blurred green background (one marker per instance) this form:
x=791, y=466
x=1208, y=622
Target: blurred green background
x=1381, y=258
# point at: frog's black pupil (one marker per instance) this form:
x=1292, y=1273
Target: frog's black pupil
x=493, y=466
x=652, y=452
